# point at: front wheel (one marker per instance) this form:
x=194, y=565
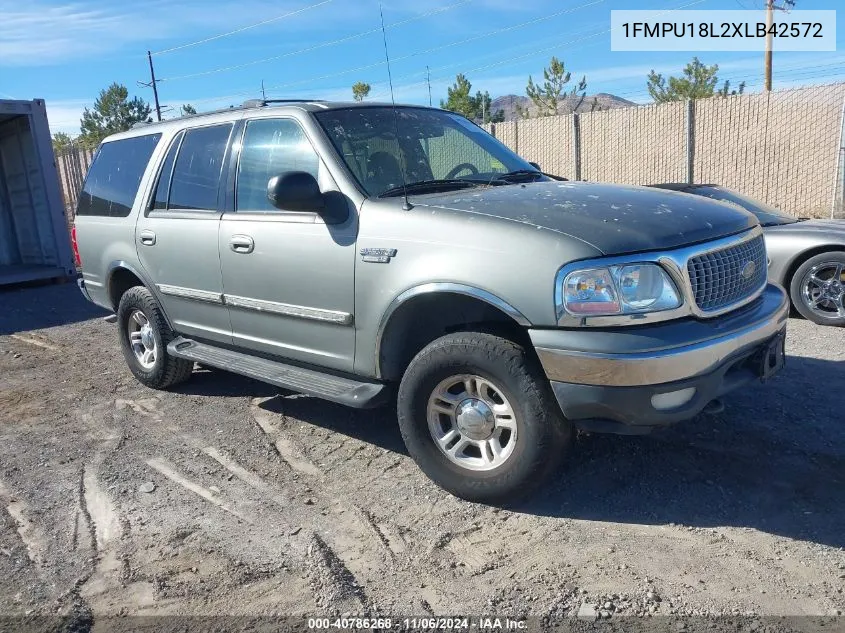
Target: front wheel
x=478, y=417
x=818, y=289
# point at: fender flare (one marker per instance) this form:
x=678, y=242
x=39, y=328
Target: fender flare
x=120, y=264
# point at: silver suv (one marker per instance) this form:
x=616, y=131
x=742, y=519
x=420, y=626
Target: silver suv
x=352, y=251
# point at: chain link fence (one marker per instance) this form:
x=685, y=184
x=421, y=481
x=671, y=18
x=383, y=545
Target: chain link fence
x=784, y=148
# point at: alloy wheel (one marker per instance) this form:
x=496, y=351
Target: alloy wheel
x=823, y=290
x=472, y=422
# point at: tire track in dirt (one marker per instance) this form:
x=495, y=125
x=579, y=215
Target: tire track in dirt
x=37, y=340
x=104, y=525
x=32, y=536
x=353, y=541
x=173, y=475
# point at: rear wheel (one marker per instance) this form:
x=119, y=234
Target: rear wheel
x=818, y=289
x=478, y=417
x=144, y=335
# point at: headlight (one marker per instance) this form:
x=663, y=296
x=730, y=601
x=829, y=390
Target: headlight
x=628, y=289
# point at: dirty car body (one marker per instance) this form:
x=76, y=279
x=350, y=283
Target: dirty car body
x=345, y=250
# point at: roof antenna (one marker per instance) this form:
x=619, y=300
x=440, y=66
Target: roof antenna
x=407, y=206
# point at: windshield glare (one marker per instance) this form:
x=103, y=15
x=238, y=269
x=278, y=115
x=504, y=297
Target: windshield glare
x=430, y=145
x=766, y=214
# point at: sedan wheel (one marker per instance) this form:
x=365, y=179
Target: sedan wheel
x=818, y=289
x=823, y=290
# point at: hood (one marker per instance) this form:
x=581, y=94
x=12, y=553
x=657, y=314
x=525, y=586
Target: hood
x=830, y=228
x=615, y=219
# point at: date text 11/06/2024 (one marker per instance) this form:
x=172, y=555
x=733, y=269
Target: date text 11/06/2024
x=422, y=623
x=723, y=30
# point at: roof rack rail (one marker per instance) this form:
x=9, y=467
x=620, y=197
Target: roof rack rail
x=260, y=103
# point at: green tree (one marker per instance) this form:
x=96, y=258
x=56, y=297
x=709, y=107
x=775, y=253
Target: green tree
x=188, y=109
x=360, y=90
x=459, y=98
x=484, y=108
x=547, y=97
x=62, y=142
x=113, y=112
x=699, y=81
x=522, y=113
x=726, y=91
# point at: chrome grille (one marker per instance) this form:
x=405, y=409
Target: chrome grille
x=717, y=277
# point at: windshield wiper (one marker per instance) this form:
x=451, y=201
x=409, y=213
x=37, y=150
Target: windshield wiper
x=438, y=184
x=517, y=174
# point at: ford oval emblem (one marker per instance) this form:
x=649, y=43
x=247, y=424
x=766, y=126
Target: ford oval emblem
x=748, y=270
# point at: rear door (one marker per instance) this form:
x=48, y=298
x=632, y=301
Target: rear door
x=176, y=236
x=289, y=276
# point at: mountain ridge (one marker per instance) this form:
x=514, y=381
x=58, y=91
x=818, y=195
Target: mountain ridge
x=511, y=103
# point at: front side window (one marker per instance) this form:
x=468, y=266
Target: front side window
x=379, y=143
x=115, y=176
x=196, y=174
x=270, y=147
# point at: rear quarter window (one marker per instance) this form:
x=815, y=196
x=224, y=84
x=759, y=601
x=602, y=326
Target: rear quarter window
x=114, y=177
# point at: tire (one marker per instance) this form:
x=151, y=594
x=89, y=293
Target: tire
x=161, y=370
x=508, y=379
x=817, y=289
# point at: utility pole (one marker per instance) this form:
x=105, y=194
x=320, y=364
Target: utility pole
x=428, y=81
x=153, y=84
x=770, y=19
x=263, y=94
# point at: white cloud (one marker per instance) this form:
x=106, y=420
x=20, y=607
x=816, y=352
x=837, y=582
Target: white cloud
x=63, y=115
x=41, y=33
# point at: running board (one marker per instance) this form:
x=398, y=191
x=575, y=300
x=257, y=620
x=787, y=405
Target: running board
x=353, y=393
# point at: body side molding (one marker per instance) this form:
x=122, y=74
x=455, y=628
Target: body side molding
x=287, y=309
x=190, y=293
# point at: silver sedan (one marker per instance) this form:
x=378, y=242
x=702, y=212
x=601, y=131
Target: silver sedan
x=807, y=257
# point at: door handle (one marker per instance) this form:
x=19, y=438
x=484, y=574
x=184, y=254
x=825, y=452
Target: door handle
x=148, y=238
x=242, y=244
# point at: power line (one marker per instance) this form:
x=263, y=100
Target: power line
x=506, y=29
x=315, y=47
x=458, y=64
x=519, y=58
x=404, y=57
x=243, y=28
x=431, y=50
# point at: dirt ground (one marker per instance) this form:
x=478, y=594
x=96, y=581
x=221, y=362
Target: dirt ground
x=226, y=497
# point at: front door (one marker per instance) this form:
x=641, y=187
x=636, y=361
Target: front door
x=288, y=277
x=177, y=236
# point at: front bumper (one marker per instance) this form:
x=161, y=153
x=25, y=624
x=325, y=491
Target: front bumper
x=604, y=380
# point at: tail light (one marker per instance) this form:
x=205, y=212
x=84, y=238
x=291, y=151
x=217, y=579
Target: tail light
x=76, y=258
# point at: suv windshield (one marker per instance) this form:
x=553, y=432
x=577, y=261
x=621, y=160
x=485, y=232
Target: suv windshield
x=436, y=150
x=767, y=215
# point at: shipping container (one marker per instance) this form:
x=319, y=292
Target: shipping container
x=34, y=239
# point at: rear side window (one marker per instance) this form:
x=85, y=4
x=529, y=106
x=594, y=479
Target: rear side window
x=196, y=174
x=163, y=186
x=115, y=175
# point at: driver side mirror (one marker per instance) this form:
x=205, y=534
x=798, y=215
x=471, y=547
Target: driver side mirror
x=295, y=191
x=535, y=165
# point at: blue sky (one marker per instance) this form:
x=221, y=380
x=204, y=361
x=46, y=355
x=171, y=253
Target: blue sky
x=66, y=52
